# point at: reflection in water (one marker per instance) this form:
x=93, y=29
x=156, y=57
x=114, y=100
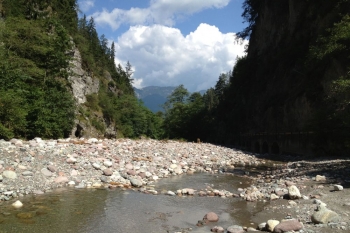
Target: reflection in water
x=73, y=210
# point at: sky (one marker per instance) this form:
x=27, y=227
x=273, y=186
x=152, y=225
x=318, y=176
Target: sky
x=171, y=42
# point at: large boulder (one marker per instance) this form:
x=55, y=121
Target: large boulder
x=293, y=192
x=271, y=224
x=211, y=217
x=287, y=226
x=324, y=215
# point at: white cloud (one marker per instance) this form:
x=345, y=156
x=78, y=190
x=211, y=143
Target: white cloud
x=162, y=56
x=164, y=12
x=86, y=5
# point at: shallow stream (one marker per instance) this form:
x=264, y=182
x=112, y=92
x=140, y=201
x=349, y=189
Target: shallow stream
x=117, y=211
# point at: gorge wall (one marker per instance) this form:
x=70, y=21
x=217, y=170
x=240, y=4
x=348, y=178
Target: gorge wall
x=279, y=86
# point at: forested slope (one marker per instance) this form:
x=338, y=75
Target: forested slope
x=42, y=44
x=295, y=78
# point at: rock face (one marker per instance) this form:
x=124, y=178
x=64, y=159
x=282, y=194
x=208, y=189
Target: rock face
x=324, y=215
x=84, y=84
x=277, y=28
x=81, y=82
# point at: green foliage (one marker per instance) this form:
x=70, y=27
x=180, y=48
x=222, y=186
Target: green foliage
x=92, y=102
x=35, y=97
x=184, y=115
x=250, y=14
x=335, y=42
x=131, y=117
x=98, y=125
x=333, y=116
x=33, y=63
x=12, y=114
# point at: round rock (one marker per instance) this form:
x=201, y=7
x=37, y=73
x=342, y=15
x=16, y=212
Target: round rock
x=46, y=172
x=235, y=229
x=211, y=217
x=10, y=174
x=17, y=204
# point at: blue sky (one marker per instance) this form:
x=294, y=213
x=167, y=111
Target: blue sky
x=171, y=42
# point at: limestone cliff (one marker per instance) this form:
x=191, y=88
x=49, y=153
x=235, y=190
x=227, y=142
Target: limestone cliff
x=84, y=84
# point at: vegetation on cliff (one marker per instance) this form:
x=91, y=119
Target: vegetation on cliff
x=294, y=78
x=35, y=95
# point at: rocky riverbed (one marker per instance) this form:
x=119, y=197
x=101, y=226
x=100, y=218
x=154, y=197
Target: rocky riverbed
x=300, y=196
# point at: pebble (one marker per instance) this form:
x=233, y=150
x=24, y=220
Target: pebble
x=125, y=163
x=108, y=172
x=96, y=166
x=171, y=193
x=10, y=174
x=338, y=187
x=107, y=163
x=218, y=229
x=136, y=182
x=320, y=178
x=52, y=168
x=17, y=204
x=46, y=172
x=27, y=173
x=71, y=160
x=235, y=229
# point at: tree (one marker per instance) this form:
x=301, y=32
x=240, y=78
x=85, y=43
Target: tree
x=179, y=95
x=250, y=14
x=221, y=85
x=210, y=99
x=129, y=72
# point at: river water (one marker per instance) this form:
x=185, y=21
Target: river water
x=117, y=211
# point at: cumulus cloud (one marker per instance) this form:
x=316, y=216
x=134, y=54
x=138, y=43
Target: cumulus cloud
x=164, y=12
x=162, y=56
x=86, y=5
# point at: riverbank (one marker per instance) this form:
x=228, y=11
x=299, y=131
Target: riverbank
x=38, y=167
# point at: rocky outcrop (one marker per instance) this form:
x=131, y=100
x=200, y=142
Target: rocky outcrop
x=82, y=82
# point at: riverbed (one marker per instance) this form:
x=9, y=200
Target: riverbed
x=104, y=210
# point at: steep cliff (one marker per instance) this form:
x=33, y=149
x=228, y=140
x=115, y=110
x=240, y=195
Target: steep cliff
x=281, y=85
x=82, y=84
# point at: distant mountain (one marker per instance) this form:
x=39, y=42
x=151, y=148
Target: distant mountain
x=154, y=97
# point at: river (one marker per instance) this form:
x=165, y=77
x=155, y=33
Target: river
x=117, y=211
